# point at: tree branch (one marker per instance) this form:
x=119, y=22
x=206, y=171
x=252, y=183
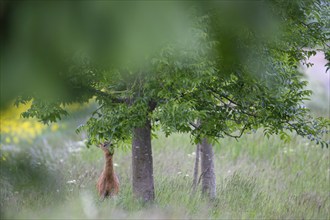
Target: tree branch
x=236, y=136
x=109, y=96
x=194, y=125
x=233, y=102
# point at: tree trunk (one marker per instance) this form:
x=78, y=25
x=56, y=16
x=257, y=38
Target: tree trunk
x=195, y=181
x=208, y=175
x=143, y=179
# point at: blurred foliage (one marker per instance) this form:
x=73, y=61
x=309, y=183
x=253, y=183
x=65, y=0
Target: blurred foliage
x=14, y=129
x=36, y=42
x=233, y=65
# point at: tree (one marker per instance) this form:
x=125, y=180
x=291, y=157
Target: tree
x=233, y=76
x=207, y=169
x=96, y=53
x=143, y=179
x=196, y=168
x=262, y=89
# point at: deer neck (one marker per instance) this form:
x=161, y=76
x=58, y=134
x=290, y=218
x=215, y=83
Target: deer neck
x=108, y=167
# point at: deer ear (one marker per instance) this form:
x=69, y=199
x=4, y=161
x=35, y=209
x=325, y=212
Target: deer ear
x=101, y=145
x=107, y=144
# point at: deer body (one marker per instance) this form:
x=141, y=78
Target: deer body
x=107, y=184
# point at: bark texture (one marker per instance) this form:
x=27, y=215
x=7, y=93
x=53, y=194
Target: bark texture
x=207, y=169
x=142, y=164
x=196, y=168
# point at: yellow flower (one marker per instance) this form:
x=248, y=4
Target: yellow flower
x=54, y=127
x=8, y=140
x=17, y=128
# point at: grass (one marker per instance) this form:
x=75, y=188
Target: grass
x=257, y=178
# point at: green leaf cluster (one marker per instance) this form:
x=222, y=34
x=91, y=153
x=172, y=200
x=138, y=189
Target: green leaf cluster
x=225, y=79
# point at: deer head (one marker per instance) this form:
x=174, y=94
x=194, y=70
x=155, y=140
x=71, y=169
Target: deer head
x=107, y=147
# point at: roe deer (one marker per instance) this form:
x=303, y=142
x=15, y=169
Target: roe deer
x=107, y=184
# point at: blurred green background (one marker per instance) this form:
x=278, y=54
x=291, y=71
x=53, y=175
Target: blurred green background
x=47, y=172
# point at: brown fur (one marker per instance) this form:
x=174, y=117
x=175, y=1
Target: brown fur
x=107, y=184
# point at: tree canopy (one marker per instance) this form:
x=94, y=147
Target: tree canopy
x=234, y=66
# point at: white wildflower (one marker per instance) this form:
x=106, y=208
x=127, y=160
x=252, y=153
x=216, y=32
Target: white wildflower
x=74, y=150
x=72, y=182
x=193, y=154
x=285, y=150
x=81, y=143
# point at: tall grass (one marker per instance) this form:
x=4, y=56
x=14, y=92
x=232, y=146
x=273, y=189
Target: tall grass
x=55, y=176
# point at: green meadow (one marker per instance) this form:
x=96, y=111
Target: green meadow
x=54, y=176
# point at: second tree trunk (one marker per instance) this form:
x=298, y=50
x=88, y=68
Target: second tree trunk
x=207, y=169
